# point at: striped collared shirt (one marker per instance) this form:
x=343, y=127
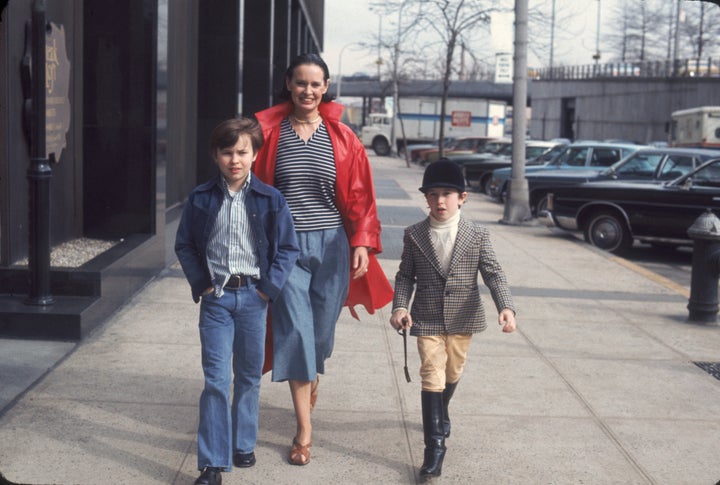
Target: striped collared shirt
x=231, y=248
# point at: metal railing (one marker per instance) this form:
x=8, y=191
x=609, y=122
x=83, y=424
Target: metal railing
x=681, y=68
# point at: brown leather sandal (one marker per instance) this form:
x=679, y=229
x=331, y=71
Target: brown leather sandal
x=314, y=392
x=299, y=454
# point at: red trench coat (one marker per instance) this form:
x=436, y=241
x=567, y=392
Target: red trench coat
x=354, y=198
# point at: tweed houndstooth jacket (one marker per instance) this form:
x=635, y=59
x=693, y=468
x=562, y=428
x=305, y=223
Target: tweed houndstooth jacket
x=449, y=303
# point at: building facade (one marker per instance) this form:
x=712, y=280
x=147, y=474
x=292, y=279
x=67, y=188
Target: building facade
x=147, y=82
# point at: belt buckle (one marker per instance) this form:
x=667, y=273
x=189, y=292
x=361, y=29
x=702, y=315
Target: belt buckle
x=235, y=282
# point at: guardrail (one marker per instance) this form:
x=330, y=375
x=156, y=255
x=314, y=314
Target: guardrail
x=681, y=68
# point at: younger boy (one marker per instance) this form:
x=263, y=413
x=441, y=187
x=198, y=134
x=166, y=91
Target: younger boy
x=236, y=244
x=441, y=257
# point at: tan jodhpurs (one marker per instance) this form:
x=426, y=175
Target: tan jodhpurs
x=442, y=360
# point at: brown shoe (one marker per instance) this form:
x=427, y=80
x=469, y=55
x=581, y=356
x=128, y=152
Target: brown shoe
x=299, y=454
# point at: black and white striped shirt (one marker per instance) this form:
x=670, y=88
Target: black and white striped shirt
x=305, y=174
x=231, y=247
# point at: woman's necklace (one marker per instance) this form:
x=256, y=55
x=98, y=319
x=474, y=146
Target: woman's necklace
x=306, y=122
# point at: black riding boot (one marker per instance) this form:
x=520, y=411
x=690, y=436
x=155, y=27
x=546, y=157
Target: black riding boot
x=447, y=395
x=433, y=429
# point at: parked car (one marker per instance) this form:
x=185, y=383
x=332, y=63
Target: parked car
x=575, y=156
x=415, y=149
x=648, y=164
x=614, y=213
x=461, y=146
x=478, y=167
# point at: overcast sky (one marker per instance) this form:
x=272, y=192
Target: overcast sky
x=350, y=22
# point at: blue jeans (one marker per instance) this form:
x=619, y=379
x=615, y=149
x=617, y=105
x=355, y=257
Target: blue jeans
x=232, y=336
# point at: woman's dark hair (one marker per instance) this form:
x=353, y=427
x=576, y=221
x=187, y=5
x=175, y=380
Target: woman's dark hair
x=301, y=60
x=226, y=134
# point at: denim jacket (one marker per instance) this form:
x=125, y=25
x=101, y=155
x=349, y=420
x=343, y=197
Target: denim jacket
x=272, y=228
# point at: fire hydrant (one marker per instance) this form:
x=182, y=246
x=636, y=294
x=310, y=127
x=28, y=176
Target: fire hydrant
x=703, y=303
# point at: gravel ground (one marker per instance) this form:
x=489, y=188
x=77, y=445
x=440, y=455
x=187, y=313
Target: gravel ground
x=76, y=252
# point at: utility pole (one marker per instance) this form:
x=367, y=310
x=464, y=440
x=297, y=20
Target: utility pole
x=552, y=34
x=597, y=37
x=517, y=206
x=676, y=48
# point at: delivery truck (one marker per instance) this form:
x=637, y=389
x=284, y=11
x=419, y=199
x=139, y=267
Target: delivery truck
x=419, y=120
x=696, y=127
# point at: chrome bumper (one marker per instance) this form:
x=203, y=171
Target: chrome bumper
x=546, y=218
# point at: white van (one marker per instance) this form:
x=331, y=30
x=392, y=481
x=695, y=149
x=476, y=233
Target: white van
x=696, y=127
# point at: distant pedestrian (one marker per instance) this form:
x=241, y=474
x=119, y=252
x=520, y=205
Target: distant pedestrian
x=236, y=244
x=441, y=257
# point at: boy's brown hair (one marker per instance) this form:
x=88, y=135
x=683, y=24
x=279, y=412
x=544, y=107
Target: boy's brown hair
x=226, y=134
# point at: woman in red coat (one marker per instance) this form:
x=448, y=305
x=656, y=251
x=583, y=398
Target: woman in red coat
x=323, y=171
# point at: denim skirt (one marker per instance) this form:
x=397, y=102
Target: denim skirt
x=305, y=313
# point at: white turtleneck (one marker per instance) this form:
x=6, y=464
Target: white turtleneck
x=442, y=235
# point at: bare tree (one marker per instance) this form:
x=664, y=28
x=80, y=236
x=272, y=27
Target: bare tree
x=633, y=34
x=409, y=14
x=699, y=30
x=452, y=20
x=553, y=28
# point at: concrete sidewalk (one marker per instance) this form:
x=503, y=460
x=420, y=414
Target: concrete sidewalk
x=598, y=385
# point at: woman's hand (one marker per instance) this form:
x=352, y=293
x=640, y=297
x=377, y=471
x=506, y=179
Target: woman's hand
x=360, y=262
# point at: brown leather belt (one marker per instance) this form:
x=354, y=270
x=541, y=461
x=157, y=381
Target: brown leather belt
x=236, y=281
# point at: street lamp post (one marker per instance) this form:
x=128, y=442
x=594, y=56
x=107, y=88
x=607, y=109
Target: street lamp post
x=597, y=37
x=396, y=87
x=339, y=81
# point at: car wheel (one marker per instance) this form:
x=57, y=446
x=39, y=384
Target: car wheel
x=606, y=231
x=381, y=146
x=485, y=184
x=541, y=205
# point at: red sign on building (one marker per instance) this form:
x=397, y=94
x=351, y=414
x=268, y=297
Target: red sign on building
x=460, y=118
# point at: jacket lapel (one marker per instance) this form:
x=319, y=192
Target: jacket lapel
x=421, y=236
x=463, y=240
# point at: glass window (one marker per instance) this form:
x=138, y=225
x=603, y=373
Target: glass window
x=574, y=157
x=641, y=165
x=709, y=176
x=676, y=166
x=532, y=152
x=463, y=145
x=604, y=157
